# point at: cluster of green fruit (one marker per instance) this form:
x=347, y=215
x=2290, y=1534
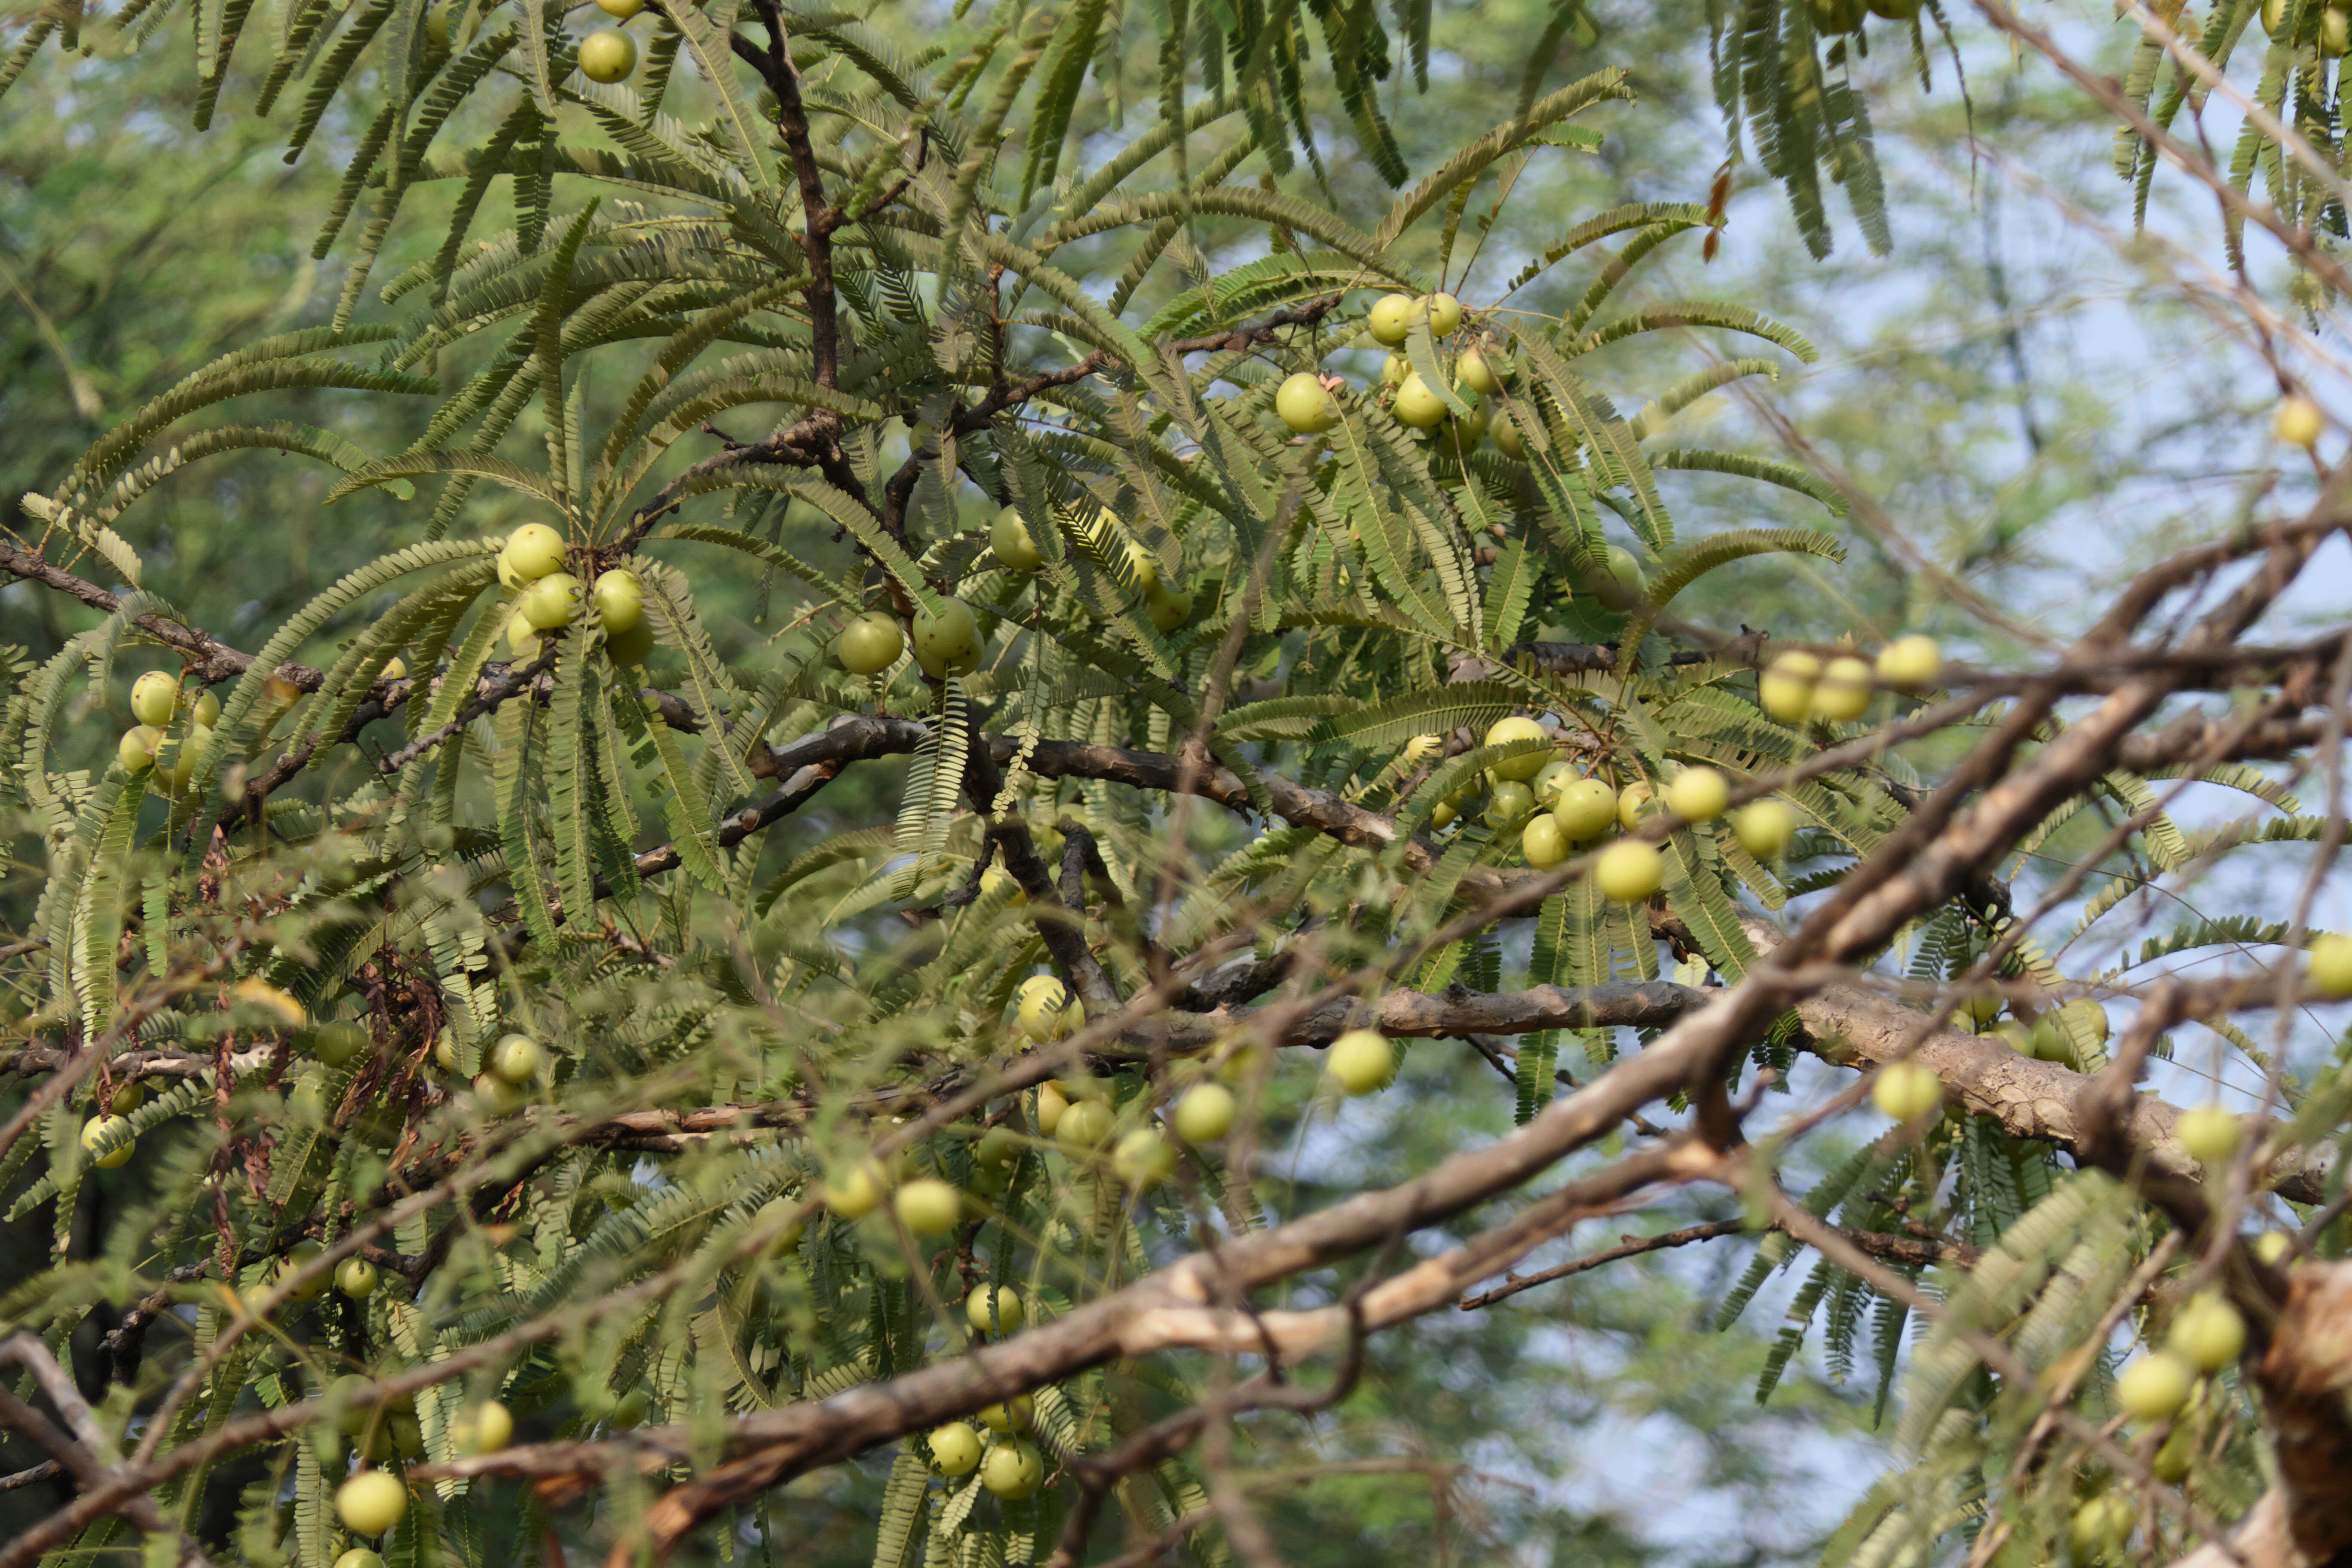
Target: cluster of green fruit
x=548, y=599
x=1557, y=810
x=1905, y=1091
x=512, y=1070
x=1306, y=403
x=174, y=728
x=947, y=641
x=372, y=1502
x=2171, y=1383
x=2326, y=27
x=1009, y=1463
x=1799, y=685
x=2164, y=1387
x=2050, y=1037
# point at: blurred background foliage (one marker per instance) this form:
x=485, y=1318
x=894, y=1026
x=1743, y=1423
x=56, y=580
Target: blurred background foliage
x=2005, y=385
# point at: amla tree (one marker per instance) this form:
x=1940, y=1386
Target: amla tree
x=455, y=1058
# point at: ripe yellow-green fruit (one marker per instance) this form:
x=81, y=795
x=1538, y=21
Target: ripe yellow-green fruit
x=1843, y=693
x=359, y=1556
x=1361, y=1061
x=1699, y=794
x=2328, y=971
x=1010, y=541
x=520, y=637
x=205, y=709
x=308, y=1098
x=356, y=1278
x=126, y=1098
x=1636, y=804
x=1628, y=871
x=1914, y=660
x=1422, y=749
x=1391, y=319
x=370, y=1502
x=1169, y=607
x=1417, y=404
x=498, y=1096
x=533, y=551
x=1085, y=1125
x=2100, y=1528
x=1014, y=1415
x=947, y=643
x=1786, y=687
x=2025, y=1042
x=1551, y=779
x=2177, y=1456
x=1620, y=584
x=1585, y=809
x=298, y=1257
x=154, y=698
x=1764, y=828
x=1395, y=369
x=1508, y=803
x=1462, y=436
x=955, y=1448
x=2297, y=422
x=1517, y=730
x=395, y=669
x=99, y=1128
x=1013, y=1471
x=1508, y=440
x=444, y=1049
x=607, y=55
x=1543, y=843
x=2087, y=1016
x=1143, y=566
x=191, y=746
x=633, y=646
x=2208, y=1333
x=927, y=1206
x=1905, y=1091
x=630, y=1410
x=339, y=1041
x=485, y=1429
x=2156, y=1386
x=1442, y=814
x=136, y=751
x=2209, y=1133
x=2272, y=1248
x=1445, y=313
x=857, y=1191
x=1010, y=1312
x=620, y=600
x=550, y=604
x=869, y=644
x=1205, y=1113
x=1143, y=1159
x=1052, y=1103
x=1478, y=372
x=283, y=1010
x=1045, y=1011
x=1305, y=405
x=517, y=1059
x=1000, y=1147
x=620, y=10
